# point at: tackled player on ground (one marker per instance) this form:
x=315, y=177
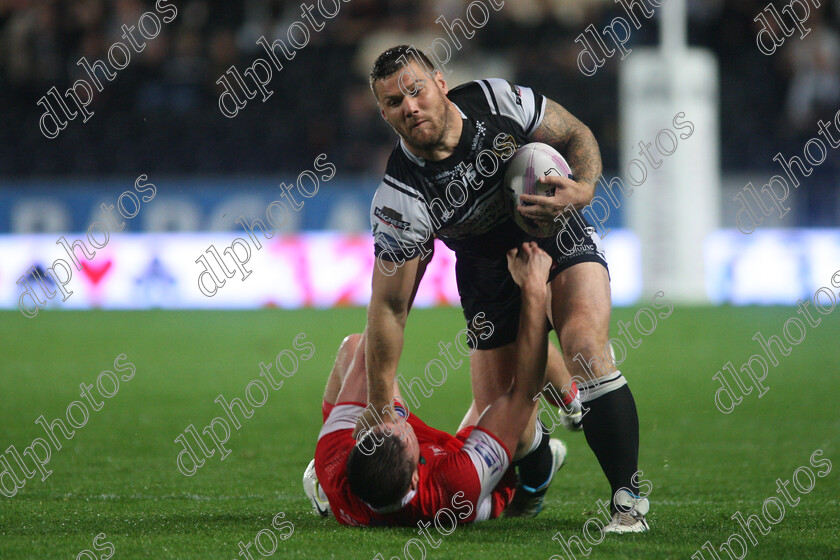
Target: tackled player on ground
x=403, y=472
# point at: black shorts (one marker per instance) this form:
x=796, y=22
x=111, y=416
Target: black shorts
x=486, y=286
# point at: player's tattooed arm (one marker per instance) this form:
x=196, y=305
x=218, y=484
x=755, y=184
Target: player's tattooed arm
x=569, y=136
x=565, y=133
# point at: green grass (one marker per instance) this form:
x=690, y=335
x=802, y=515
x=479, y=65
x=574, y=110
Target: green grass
x=118, y=475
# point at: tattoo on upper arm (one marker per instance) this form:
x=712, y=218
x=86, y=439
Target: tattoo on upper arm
x=565, y=133
x=556, y=126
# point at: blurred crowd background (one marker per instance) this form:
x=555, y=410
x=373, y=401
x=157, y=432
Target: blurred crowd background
x=160, y=115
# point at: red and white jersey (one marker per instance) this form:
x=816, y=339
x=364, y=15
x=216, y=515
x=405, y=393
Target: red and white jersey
x=467, y=473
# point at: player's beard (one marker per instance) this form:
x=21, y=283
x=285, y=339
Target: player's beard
x=437, y=137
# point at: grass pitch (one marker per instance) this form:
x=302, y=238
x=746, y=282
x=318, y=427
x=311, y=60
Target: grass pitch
x=118, y=474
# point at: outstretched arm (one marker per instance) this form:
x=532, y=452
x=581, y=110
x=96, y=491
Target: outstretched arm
x=566, y=134
x=387, y=312
x=390, y=301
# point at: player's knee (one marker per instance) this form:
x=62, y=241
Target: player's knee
x=350, y=342
x=344, y=356
x=581, y=339
x=348, y=347
x=585, y=350
x=491, y=388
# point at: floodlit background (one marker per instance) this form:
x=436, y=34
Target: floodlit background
x=160, y=117
x=679, y=231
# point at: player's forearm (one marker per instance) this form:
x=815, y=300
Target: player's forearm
x=508, y=415
x=531, y=341
x=584, y=158
x=384, y=342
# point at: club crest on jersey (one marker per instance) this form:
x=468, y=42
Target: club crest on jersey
x=391, y=217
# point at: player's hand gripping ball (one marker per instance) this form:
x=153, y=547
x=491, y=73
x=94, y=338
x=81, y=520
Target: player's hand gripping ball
x=528, y=164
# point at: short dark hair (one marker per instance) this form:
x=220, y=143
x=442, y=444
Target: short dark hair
x=395, y=58
x=383, y=476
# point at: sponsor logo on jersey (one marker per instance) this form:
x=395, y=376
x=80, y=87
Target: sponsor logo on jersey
x=518, y=93
x=391, y=217
x=478, y=139
x=386, y=241
x=488, y=454
x=582, y=249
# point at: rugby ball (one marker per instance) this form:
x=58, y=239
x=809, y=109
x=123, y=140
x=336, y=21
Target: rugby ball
x=529, y=163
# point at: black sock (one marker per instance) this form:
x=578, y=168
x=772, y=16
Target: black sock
x=611, y=426
x=535, y=468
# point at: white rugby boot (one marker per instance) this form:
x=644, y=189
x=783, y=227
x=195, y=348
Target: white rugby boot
x=632, y=521
x=314, y=491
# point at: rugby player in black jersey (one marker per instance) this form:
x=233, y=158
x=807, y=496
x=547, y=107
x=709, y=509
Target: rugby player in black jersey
x=444, y=179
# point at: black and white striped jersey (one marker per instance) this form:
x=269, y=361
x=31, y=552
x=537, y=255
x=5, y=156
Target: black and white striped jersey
x=461, y=198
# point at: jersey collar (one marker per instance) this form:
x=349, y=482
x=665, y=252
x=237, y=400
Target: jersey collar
x=418, y=160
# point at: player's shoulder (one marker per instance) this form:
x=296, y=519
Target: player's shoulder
x=475, y=97
x=427, y=435
x=499, y=97
x=489, y=95
x=449, y=471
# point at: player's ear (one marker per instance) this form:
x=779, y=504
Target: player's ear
x=415, y=480
x=441, y=82
x=378, y=102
